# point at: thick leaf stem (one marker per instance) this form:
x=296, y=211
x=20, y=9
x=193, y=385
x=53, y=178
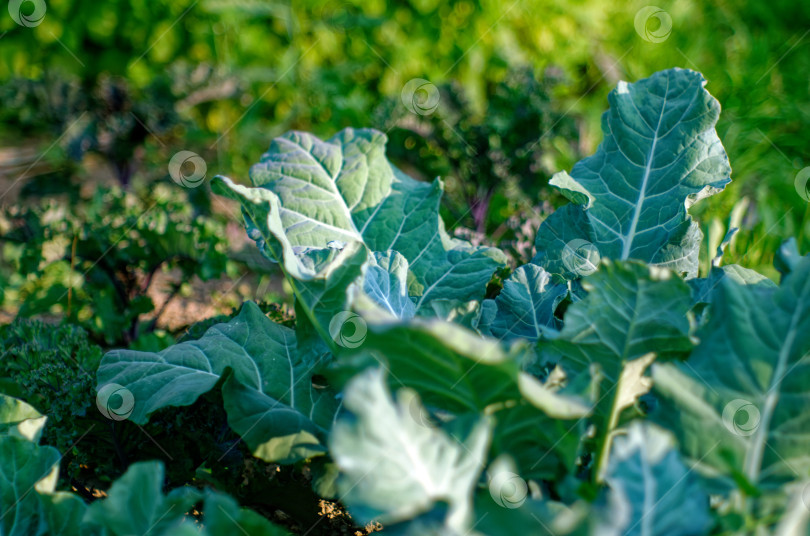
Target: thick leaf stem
x=604, y=452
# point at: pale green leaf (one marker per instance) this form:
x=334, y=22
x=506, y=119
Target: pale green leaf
x=309, y=196
x=386, y=283
x=395, y=466
x=20, y=419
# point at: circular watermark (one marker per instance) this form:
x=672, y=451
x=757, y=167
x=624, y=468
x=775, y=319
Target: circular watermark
x=187, y=169
x=806, y=495
x=508, y=489
x=580, y=257
x=420, y=96
x=419, y=413
x=115, y=402
x=802, y=178
x=653, y=24
x=338, y=15
x=741, y=417
x=347, y=329
x=29, y=20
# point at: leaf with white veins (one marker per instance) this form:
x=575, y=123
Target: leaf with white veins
x=740, y=403
x=526, y=304
x=660, y=155
x=310, y=195
x=394, y=466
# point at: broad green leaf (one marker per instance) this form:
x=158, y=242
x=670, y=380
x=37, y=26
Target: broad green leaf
x=660, y=154
x=651, y=491
x=319, y=276
x=740, y=403
x=270, y=397
x=25, y=469
x=453, y=368
x=526, y=304
x=136, y=504
x=278, y=431
x=20, y=419
x=345, y=189
x=631, y=314
x=542, y=447
x=630, y=310
x=311, y=195
x=395, y=466
x=63, y=513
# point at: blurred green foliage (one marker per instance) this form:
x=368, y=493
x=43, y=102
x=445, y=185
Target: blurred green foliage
x=495, y=163
x=244, y=71
x=94, y=260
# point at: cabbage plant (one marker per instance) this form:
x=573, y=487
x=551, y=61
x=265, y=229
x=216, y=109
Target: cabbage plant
x=606, y=389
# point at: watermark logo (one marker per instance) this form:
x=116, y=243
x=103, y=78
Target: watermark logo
x=802, y=178
x=653, y=24
x=806, y=495
x=115, y=402
x=419, y=413
x=580, y=257
x=187, y=169
x=21, y=12
x=338, y=15
x=741, y=417
x=508, y=489
x=347, y=329
x=420, y=96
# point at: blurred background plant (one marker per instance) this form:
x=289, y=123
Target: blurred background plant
x=95, y=261
x=496, y=164
x=134, y=81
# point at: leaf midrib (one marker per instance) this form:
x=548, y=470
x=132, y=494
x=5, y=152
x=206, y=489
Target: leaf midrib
x=753, y=460
x=627, y=243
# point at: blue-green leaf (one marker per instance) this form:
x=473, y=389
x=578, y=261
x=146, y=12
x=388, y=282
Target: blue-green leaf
x=660, y=155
